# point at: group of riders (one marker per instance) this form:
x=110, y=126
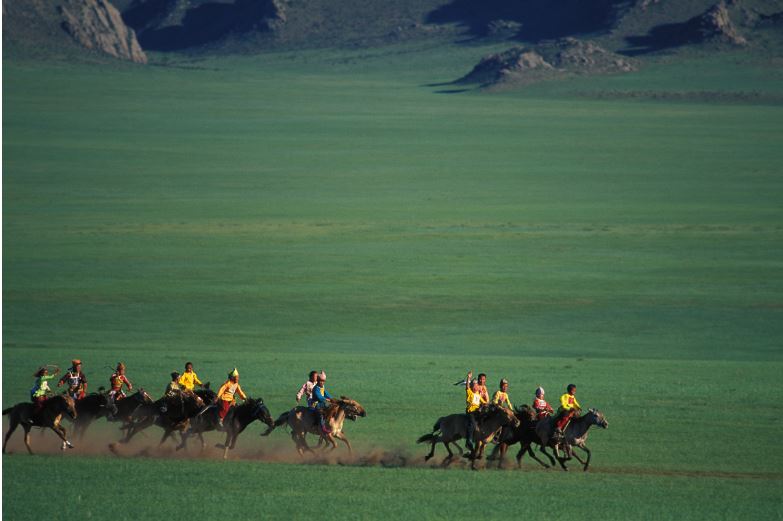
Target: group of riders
x=181, y=384
x=477, y=400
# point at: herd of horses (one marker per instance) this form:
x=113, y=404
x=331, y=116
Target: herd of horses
x=193, y=414
x=508, y=428
x=186, y=413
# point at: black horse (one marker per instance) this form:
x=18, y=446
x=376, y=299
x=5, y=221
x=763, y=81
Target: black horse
x=525, y=434
x=128, y=405
x=50, y=415
x=172, y=413
x=90, y=408
x=236, y=421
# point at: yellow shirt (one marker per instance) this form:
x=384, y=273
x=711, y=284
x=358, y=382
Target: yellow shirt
x=227, y=391
x=189, y=380
x=501, y=398
x=473, y=400
x=568, y=402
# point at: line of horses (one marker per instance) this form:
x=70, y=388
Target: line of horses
x=185, y=413
x=508, y=428
x=193, y=414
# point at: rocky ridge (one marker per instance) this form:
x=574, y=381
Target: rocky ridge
x=566, y=56
x=98, y=25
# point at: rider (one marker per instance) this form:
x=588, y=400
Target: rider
x=474, y=400
x=501, y=396
x=189, y=380
x=568, y=408
x=543, y=409
x=38, y=394
x=225, y=395
x=320, y=401
x=307, y=388
x=116, y=380
x=482, y=382
x=77, y=382
x=172, y=390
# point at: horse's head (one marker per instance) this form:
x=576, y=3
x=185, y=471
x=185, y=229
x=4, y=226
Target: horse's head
x=207, y=394
x=260, y=412
x=597, y=418
x=143, y=396
x=352, y=408
x=525, y=413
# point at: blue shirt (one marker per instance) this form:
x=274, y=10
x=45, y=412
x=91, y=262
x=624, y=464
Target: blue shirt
x=319, y=396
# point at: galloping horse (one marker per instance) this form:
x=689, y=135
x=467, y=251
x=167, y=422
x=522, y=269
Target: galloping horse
x=575, y=435
x=49, y=416
x=236, y=421
x=449, y=429
x=303, y=420
x=525, y=435
x=128, y=405
x=172, y=413
x=90, y=408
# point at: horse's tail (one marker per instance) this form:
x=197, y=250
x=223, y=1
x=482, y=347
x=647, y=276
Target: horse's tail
x=426, y=438
x=7, y=411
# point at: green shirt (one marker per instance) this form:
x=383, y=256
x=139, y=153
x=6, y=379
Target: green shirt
x=42, y=385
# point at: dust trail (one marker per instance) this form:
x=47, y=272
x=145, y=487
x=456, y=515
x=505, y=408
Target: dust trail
x=103, y=440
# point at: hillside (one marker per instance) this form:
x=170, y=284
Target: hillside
x=217, y=27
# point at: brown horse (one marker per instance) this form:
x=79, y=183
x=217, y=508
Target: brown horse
x=575, y=435
x=303, y=420
x=50, y=416
x=451, y=428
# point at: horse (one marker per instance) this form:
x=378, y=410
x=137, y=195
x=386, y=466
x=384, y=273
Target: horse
x=303, y=420
x=50, y=415
x=90, y=408
x=451, y=428
x=575, y=435
x=172, y=413
x=525, y=435
x=236, y=421
x=128, y=405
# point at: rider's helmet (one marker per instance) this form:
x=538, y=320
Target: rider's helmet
x=120, y=366
x=570, y=387
x=40, y=372
x=539, y=392
x=76, y=362
x=174, y=375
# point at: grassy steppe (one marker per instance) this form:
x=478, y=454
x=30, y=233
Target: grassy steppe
x=334, y=209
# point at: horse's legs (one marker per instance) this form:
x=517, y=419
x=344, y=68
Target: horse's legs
x=529, y=450
x=560, y=459
x=203, y=441
x=586, y=463
x=27, y=428
x=11, y=428
x=166, y=434
x=551, y=459
x=62, y=433
x=432, y=448
x=501, y=447
x=184, y=443
x=341, y=436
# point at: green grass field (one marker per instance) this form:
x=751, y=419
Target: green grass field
x=339, y=210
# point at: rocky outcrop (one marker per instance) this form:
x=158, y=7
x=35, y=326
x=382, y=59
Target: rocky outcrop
x=715, y=24
x=96, y=24
x=562, y=57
